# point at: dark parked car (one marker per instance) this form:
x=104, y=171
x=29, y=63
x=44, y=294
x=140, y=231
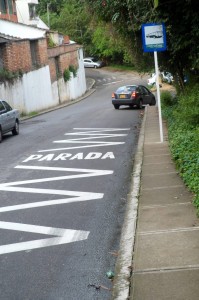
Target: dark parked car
x=132, y=95
x=9, y=119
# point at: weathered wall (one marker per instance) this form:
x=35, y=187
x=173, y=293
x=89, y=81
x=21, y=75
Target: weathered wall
x=30, y=93
x=35, y=92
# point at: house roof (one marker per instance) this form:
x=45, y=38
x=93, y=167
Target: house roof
x=20, y=31
x=4, y=38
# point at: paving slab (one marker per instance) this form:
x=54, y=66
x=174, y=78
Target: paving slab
x=149, y=169
x=175, y=248
x=168, y=285
x=160, y=196
x=160, y=180
x=156, y=151
x=164, y=158
x=166, y=217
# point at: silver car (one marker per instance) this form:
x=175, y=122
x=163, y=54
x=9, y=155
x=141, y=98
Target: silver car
x=9, y=119
x=92, y=62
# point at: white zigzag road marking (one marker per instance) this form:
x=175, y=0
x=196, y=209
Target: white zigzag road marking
x=95, y=144
x=94, y=134
x=77, y=196
x=63, y=236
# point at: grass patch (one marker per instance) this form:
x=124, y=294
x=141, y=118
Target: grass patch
x=116, y=67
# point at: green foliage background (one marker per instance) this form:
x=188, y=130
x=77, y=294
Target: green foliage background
x=182, y=114
x=111, y=29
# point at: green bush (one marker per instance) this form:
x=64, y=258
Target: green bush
x=66, y=75
x=183, y=131
x=187, y=111
x=9, y=76
x=73, y=70
x=166, y=98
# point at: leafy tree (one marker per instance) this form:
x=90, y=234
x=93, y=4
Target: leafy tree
x=180, y=17
x=112, y=28
x=70, y=17
x=54, y=6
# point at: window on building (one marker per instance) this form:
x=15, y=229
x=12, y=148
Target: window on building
x=3, y=6
x=57, y=66
x=1, y=57
x=7, y=7
x=10, y=7
x=32, y=11
x=33, y=49
x=14, y=7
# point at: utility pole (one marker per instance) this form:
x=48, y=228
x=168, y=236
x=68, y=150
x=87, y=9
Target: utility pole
x=48, y=14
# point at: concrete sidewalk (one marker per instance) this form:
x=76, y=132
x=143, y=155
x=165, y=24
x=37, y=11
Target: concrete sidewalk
x=166, y=251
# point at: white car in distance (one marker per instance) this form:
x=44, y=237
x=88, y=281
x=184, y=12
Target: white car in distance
x=91, y=62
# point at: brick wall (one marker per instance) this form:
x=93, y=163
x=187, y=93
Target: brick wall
x=16, y=56
x=63, y=56
x=52, y=67
x=42, y=53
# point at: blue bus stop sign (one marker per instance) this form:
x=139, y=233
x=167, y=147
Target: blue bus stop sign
x=153, y=37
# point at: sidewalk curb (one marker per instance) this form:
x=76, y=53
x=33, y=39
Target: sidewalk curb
x=123, y=268
x=88, y=92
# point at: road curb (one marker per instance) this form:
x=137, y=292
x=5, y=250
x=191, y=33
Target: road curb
x=123, y=268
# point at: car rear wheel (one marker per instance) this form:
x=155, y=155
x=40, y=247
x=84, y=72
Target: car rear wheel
x=15, y=130
x=1, y=135
x=116, y=106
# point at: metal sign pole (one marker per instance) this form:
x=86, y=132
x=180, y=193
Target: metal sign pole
x=158, y=95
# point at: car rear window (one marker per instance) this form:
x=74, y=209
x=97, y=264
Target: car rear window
x=128, y=88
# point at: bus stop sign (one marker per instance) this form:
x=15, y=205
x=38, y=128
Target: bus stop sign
x=153, y=37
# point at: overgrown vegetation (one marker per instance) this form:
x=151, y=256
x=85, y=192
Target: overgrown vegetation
x=73, y=70
x=67, y=72
x=9, y=76
x=66, y=75
x=182, y=114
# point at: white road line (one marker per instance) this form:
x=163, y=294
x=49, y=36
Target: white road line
x=63, y=236
x=89, y=173
x=93, y=130
x=113, y=82
x=102, y=144
x=96, y=136
x=86, y=197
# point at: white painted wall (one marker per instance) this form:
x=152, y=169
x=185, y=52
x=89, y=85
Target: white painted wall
x=30, y=93
x=75, y=87
x=20, y=30
x=23, y=14
x=34, y=92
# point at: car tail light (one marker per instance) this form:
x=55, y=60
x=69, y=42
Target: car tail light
x=113, y=95
x=134, y=94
